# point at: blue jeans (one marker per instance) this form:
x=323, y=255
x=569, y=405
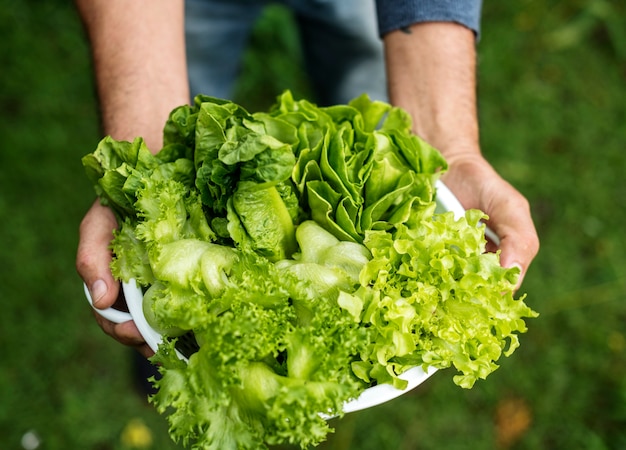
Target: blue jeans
x=343, y=53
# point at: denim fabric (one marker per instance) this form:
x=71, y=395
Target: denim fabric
x=395, y=14
x=343, y=53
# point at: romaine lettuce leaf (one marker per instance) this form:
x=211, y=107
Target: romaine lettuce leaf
x=366, y=169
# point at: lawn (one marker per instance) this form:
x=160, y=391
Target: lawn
x=552, y=85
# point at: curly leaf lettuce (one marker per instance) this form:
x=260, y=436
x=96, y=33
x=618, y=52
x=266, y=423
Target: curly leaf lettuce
x=437, y=299
x=262, y=372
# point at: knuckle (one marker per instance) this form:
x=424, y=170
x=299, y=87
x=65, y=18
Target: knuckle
x=84, y=261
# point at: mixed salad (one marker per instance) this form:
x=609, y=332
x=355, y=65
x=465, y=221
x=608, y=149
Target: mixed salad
x=302, y=248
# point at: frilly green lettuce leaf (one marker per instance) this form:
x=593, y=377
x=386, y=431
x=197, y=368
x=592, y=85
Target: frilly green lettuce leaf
x=439, y=300
x=131, y=256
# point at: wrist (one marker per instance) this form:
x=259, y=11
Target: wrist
x=458, y=149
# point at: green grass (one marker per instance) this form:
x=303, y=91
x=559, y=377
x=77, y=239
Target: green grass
x=552, y=109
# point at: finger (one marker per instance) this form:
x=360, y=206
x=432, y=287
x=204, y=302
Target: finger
x=518, y=250
x=126, y=333
x=93, y=256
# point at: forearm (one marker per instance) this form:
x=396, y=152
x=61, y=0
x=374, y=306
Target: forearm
x=138, y=52
x=431, y=73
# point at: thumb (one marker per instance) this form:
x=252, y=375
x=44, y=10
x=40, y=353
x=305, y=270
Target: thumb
x=93, y=256
x=519, y=242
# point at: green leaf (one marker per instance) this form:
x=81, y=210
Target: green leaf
x=266, y=221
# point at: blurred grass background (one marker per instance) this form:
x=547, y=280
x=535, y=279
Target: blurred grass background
x=552, y=82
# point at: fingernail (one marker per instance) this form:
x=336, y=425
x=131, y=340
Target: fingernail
x=98, y=290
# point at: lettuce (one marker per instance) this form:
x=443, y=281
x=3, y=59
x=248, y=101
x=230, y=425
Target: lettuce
x=301, y=250
x=436, y=299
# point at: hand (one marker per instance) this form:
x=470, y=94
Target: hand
x=92, y=263
x=477, y=185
